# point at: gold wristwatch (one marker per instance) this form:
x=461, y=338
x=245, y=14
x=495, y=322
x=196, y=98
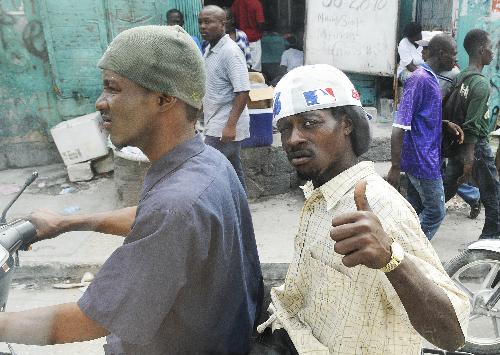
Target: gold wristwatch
x=397, y=257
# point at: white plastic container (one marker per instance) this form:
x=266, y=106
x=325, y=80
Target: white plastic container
x=81, y=139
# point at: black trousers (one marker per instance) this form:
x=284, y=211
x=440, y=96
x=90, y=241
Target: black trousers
x=277, y=343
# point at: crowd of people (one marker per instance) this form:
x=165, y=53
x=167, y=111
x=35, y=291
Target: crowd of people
x=429, y=72
x=364, y=278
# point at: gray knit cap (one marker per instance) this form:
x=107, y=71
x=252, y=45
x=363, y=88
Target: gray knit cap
x=160, y=58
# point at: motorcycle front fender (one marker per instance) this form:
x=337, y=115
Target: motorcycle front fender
x=486, y=244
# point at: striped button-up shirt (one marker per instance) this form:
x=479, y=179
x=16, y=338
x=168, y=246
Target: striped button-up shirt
x=242, y=42
x=328, y=308
x=227, y=75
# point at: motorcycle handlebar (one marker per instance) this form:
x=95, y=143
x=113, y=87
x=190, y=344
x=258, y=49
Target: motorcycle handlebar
x=16, y=235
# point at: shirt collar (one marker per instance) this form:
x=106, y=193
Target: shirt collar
x=171, y=161
x=334, y=189
x=219, y=44
x=428, y=69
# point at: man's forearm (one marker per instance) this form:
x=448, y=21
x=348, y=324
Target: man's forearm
x=117, y=222
x=60, y=324
x=239, y=103
x=396, y=143
x=427, y=305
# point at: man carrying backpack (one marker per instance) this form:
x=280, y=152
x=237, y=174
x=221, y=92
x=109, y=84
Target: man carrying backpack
x=475, y=158
x=416, y=136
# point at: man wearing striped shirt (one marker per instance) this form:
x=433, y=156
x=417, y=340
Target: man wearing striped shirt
x=226, y=117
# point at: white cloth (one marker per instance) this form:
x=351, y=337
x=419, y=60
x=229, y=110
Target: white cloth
x=292, y=58
x=227, y=74
x=256, y=53
x=408, y=54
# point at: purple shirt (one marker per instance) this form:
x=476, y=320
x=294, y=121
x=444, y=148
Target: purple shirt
x=419, y=114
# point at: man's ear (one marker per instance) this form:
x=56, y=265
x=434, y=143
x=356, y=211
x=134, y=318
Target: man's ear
x=347, y=125
x=166, y=102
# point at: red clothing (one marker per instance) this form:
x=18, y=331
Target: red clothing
x=247, y=14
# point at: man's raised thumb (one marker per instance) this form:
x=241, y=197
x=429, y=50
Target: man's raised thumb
x=360, y=196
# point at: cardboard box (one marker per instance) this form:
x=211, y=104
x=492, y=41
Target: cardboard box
x=261, y=98
x=256, y=77
x=81, y=139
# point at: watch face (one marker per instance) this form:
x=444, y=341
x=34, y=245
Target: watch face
x=397, y=251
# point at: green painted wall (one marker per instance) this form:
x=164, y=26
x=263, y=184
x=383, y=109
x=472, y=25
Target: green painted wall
x=478, y=14
x=27, y=104
x=48, y=55
x=405, y=15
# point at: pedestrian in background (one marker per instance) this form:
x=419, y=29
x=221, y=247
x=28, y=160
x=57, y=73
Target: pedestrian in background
x=238, y=36
x=476, y=160
x=293, y=56
x=176, y=17
x=416, y=136
x=225, y=114
x=469, y=193
x=410, y=53
x=249, y=17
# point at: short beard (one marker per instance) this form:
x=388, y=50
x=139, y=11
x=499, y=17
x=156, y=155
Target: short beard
x=306, y=176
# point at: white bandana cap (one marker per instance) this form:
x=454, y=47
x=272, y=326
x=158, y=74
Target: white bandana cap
x=426, y=37
x=313, y=87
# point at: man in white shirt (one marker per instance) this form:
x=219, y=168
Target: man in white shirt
x=293, y=57
x=410, y=53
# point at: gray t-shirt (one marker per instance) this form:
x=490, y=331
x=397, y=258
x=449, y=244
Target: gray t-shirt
x=292, y=58
x=187, y=279
x=446, y=78
x=227, y=74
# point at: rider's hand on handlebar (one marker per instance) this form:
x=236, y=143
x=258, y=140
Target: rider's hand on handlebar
x=48, y=224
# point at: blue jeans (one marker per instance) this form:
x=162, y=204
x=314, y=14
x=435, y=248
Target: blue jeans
x=427, y=198
x=485, y=176
x=469, y=193
x=231, y=151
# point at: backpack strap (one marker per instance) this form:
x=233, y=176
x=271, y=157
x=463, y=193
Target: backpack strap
x=458, y=84
x=465, y=77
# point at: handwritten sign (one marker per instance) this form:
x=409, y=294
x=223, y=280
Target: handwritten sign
x=353, y=35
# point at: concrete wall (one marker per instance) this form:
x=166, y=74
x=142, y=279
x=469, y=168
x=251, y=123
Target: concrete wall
x=268, y=171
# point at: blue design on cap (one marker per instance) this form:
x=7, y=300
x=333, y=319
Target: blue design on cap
x=277, y=104
x=311, y=98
